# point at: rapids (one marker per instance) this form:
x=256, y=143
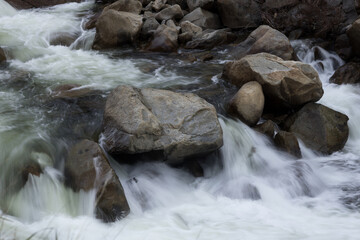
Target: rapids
x=250, y=190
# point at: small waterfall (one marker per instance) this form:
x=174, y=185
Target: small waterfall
x=6, y=9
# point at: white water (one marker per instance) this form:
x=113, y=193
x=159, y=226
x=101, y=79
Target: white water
x=252, y=191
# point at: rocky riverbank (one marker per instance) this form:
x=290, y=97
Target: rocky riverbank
x=276, y=94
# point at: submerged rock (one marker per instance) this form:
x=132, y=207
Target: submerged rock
x=248, y=103
x=87, y=168
x=115, y=28
x=286, y=84
x=2, y=56
x=149, y=120
x=288, y=142
x=320, y=128
x=348, y=73
x=265, y=39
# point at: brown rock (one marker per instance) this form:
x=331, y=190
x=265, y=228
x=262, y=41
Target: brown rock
x=158, y=5
x=2, y=56
x=288, y=142
x=347, y=74
x=248, y=103
x=268, y=128
x=132, y=6
x=87, y=168
x=165, y=39
x=354, y=37
x=203, y=19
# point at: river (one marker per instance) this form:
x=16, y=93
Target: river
x=250, y=190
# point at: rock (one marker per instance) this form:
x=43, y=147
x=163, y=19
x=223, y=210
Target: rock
x=354, y=37
x=181, y=3
x=204, y=4
x=286, y=84
x=347, y=74
x=265, y=39
x=170, y=23
x=194, y=168
x=248, y=103
x=87, y=168
x=268, y=128
x=288, y=142
x=320, y=128
x=91, y=23
x=70, y=91
x=203, y=19
x=170, y=13
x=185, y=37
x=132, y=6
x=149, y=27
x=149, y=120
x=63, y=39
x=158, y=5
x=239, y=13
x=26, y=4
x=32, y=168
x=270, y=4
x=208, y=39
x=2, y=55
x=115, y=28
x=188, y=27
x=165, y=39
x=343, y=47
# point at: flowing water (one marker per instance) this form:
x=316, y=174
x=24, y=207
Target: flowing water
x=249, y=190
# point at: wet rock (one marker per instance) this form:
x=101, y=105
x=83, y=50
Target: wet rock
x=194, y=168
x=354, y=37
x=2, y=55
x=347, y=74
x=165, y=39
x=288, y=142
x=32, y=168
x=115, y=28
x=286, y=84
x=132, y=6
x=173, y=12
x=203, y=19
x=204, y=4
x=91, y=23
x=87, y=168
x=63, y=39
x=268, y=128
x=248, y=103
x=176, y=125
x=70, y=91
x=26, y=4
x=208, y=39
x=343, y=47
x=149, y=27
x=158, y=5
x=239, y=13
x=320, y=128
x=265, y=39
x=185, y=37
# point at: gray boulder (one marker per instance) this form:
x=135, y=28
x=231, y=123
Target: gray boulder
x=150, y=120
x=149, y=27
x=320, y=128
x=208, y=39
x=132, y=6
x=203, y=19
x=248, y=103
x=87, y=168
x=188, y=27
x=172, y=12
x=158, y=5
x=239, y=13
x=165, y=39
x=265, y=39
x=115, y=28
x=286, y=84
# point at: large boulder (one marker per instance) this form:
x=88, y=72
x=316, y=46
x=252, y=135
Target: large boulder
x=187, y=26
x=204, y=4
x=320, y=128
x=248, y=103
x=265, y=39
x=170, y=13
x=149, y=27
x=149, y=120
x=203, y=19
x=239, y=13
x=348, y=73
x=165, y=39
x=132, y=6
x=87, y=168
x=354, y=37
x=286, y=84
x=115, y=28
x=267, y=128
x=288, y=142
x=2, y=55
x=26, y=4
